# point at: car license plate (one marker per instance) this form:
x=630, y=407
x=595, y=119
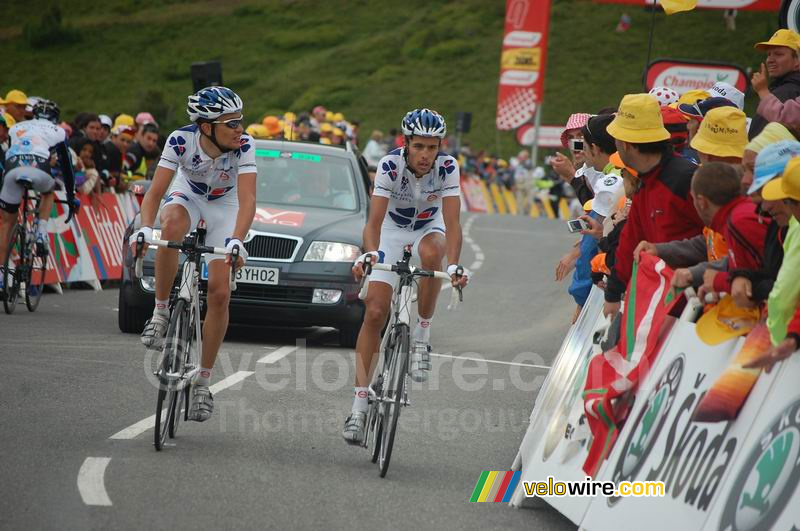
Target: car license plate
x=251, y=275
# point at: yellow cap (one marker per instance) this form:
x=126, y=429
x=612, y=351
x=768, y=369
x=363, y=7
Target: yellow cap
x=289, y=116
x=325, y=141
x=272, y=125
x=725, y=321
x=587, y=206
x=782, y=37
x=772, y=132
x=693, y=96
x=15, y=96
x=329, y=116
x=786, y=187
x=638, y=120
x=338, y=132
x=338, y=117
x=8, y=119
x=125, y=119
x=326, y=128
x=723, y=133
x=501, y=163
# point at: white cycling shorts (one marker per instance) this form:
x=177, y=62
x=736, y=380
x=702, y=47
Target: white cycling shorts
x=219, y=214
x=391, y=249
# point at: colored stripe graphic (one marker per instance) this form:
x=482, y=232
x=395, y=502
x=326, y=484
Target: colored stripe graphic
x=512, y=485
x=495, y=486
x=487, y=486
x=479, y=486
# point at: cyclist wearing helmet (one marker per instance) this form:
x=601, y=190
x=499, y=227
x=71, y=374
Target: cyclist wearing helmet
x=415, y=202
x=28, y=161
x=216, y=181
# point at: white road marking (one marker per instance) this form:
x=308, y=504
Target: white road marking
x=547, y=367
x=143, y=425
x=91, y=483
x=277, y=355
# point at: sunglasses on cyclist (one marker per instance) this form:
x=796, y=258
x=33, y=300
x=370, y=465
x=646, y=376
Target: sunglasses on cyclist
x=232, y=123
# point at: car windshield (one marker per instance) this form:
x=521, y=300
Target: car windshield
x=305, y=179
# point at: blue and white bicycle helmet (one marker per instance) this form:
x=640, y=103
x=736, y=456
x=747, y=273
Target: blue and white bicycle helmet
x=212, y=102
x=424, y=122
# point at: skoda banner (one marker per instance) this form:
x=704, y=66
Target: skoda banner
x=683, y=76
x=662, y=441
x=522, y=62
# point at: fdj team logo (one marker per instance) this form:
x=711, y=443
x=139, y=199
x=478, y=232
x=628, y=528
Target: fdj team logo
x=768, y=478
x=648, y=425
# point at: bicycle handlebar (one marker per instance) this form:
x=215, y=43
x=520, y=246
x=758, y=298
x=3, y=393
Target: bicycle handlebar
x=456, y=297
x=181, y=246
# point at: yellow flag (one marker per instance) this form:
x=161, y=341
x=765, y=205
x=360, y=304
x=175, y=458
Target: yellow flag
x=676, y=6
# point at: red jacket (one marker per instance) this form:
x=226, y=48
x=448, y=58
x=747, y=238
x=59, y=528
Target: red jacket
x=661, y=211
x=744, y=233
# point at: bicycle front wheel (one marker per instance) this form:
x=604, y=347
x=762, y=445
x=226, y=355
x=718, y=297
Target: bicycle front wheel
x=394, y=384
x=171, y=363
x=183, y=344
x=12, y=265
x=35, y=270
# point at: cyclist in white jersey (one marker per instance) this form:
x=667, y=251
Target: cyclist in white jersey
x=415, y=202
x=27, y=161
x=216, y=181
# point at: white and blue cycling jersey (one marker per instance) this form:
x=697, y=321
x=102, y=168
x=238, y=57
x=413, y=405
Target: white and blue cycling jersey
x=207, y=177
x=415, y=204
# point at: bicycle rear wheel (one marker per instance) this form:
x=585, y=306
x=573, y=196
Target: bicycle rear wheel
x=12, y=264
x=171, y=362
x=393, y=385
x=34, y=284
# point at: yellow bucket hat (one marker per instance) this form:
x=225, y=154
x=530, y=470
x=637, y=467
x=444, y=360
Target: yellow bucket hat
x=725, y=321
x=693, y=96
x=723, y=133
x=7, y=119
x=787, y=186
x=15, y=96
x=782, y=37
x=124, y=119
x=638, y=120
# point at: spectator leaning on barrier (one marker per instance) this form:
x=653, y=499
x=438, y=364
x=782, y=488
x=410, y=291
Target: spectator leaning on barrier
x=785, y=295
x=782, y=65
x=662, y=209
x=606, y=183
x=115, y=148
x=749, y=288
x=773, y=132
x=784, y=310
x=718, y=199
x=375, y=149
x=566, y=168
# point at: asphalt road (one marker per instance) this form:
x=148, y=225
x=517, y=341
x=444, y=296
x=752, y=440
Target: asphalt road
x=74, y=392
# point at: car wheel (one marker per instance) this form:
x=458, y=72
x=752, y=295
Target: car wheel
x=131, y=318
x=348, y=336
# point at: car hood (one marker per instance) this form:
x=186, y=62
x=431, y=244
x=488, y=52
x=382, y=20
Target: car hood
x=310, y=223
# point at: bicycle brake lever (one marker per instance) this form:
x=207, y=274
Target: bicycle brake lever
x=234, y=262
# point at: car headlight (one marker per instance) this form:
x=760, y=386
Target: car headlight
x=331, y=252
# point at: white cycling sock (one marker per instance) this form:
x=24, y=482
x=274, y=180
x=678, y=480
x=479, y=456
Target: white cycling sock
x=203, y=377
x=162, y=307
x=422, y=332
x=360, y=401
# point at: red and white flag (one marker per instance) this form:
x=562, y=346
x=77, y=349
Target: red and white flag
x=617, y=372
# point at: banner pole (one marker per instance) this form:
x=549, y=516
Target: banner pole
x=537, y=124
x=650, y=44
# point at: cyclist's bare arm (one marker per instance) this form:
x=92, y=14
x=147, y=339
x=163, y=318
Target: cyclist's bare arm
x=246, y=192
x=152, y=199
x=372, y=230
x=451, y=212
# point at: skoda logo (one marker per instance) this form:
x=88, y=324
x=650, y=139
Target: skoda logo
x=648, y=424
x=769, y=476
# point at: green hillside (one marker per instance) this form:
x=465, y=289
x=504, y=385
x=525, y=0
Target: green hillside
x=371, y=59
